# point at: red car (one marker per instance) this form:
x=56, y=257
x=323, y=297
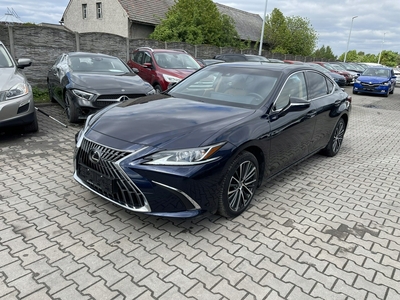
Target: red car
x=161, y=67
x=345, y=74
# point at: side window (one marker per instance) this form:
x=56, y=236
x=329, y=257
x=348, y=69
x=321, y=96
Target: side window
x=317, y=86
x=331, y=86
x=138, y=57
x=295, y=86
x=147, y=58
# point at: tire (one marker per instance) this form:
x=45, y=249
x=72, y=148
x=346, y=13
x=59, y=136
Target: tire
x=354, y=92
x=157, y=88
x=71, y=110
x=238, y=185
x=34, y=126
x=392, y=91
x=335, y=142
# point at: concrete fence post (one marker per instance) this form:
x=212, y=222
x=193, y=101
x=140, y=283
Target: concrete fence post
x=11, y=39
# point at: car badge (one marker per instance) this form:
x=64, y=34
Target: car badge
x=122, y=90
x=95, y=156
x=123, y=98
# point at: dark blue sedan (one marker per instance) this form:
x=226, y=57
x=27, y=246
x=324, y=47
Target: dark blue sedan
x=207, y=143
x=376, y=80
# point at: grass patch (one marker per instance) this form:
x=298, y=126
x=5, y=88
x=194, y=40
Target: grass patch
x=40, y=95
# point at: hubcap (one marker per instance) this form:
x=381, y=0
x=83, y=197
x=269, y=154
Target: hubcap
x=242, y=186
x=338, y=137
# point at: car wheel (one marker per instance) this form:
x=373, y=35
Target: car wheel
x=392, y=91
x=34, y=126
x=238, y=185
x=71, y=110
x=335, y=142
x=354, y=92
x=158, y=89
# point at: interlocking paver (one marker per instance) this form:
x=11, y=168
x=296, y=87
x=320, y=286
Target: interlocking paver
x=325, y=229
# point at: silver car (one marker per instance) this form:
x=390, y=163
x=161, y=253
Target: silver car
x=17, y=109
x=397, y=74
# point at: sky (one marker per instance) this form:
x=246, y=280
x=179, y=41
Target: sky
x=375, y=28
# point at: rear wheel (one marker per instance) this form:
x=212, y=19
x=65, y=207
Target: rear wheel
x=335, y=142
x=71, y=109
x=238, y=185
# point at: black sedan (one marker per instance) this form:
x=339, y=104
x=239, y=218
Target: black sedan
x=207, y=143
x=84, y=83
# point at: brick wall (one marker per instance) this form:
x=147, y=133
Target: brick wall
x=43, y=44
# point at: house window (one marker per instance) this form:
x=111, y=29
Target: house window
x=99, y=12
x=84, y=11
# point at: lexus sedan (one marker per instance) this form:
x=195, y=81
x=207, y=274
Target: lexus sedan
x=207, y=143
x=83, y=83
x=376, y=80
x=17, y=109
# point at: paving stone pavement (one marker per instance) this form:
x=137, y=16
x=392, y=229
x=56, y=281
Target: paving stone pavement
x=326, y=229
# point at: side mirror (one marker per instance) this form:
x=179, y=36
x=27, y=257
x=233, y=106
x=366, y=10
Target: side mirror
x=23, y=63
x=295, y=104
x=135, y=70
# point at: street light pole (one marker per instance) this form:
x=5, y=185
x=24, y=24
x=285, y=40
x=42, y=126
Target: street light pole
x=379, y=59
x=348, y=40
x=262, y=30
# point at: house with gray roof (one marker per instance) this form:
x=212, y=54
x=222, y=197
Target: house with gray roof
x=138, y=18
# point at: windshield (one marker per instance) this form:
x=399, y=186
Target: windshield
x=176, y=61
x=228, y=85
x=5, y=59
x=377, y=72
x=86, y=63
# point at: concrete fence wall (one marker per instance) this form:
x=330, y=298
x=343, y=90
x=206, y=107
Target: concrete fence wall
x=43, y=44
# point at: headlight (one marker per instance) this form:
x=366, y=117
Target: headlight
x=84, y=95
x=17, y=90
x=385, y=83
x=169, y=78
x=182, y=157
x=358, y=81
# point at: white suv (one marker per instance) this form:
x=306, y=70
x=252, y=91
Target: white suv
x=17, y=109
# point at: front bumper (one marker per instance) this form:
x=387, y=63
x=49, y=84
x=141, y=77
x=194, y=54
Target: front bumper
x=17, y=112
x=371, y=88
x=120, y=177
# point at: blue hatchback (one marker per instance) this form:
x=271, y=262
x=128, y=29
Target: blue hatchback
x=376, y=80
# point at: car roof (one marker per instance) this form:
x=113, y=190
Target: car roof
x=72, y=54
x=157, y=50
x=268, y=66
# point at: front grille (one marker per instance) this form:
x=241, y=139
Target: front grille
x=97, y=168
x=105, y=100
x=370, y=85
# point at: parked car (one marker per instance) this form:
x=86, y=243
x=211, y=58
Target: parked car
x=208, y=142
x=229, y=57
x=345, y=74
x=397, y=74
x=208, y=61
x=162, y=67
x=376, y=80
x=17, y=109
x=340, y=68
x=83, y=83
x=339, y=79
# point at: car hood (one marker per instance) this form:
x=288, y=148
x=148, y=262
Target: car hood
x=372, y=79
x=107, y=82
x=9, y=77
x=159, y=121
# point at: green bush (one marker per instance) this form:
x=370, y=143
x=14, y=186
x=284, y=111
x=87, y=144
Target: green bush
x=40, y=95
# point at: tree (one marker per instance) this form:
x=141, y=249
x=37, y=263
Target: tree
x=196, y=22
x=351, y=56
x=303, y=37
x=293, y=35
x=324, y=53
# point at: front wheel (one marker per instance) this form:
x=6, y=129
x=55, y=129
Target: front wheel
x=335, y=142
x=238, y=185
x=71, y=109
x=158, y=89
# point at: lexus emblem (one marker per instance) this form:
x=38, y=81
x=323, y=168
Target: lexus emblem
x=123, y=98
x=95, y=156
